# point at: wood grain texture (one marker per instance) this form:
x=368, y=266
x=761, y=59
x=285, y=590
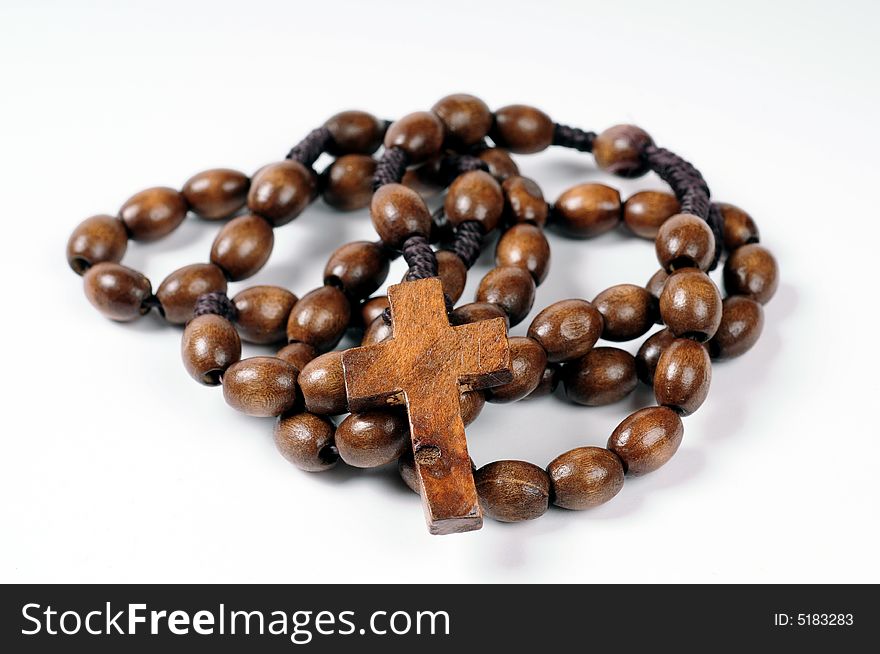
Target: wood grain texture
x=424, y=366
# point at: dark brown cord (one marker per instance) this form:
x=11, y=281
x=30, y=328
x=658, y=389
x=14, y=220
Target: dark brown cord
x=390, y=168
x=152, y=302
x=468, y=242
x=420, y=257
x=311, y=147
x=716, y=222
x=453, y=165
x=573, y=137
x=217, y=303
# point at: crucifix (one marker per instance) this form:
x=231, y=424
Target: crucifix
x=425, y=365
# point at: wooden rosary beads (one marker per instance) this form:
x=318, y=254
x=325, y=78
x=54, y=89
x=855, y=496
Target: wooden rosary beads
x=419, y=352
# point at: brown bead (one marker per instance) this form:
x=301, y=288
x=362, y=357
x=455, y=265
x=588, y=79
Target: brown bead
x=177, y=294
x=512, y=491
x=475, y=195
x=628, y=311
x=373, y=438
x=619, y=150
x=471, y=403
x=751, y=271
x=306, y=440
x=354, y=132
x=682, y=376
x=452, y=273
x=260, y=386
x=738, y=227
x=548, y=383
x=96, y=240
x=511, y=288
x=685, y=241
x=320, y=318
x=644, y=212
x=649, y=354
x=602, y=376
x=524, y=201
x=153, y=213
x=656, y=283
x=348, y=182
x=116, y=291
x=406, y=468
x=399, y=212
x=742, y=320
x=690, y=305
x=322, y=383
x=217, y=193
x=522, y=129
x=426, y=179
x=262, y=313
x=501, y=165
x=297, y=354
x=374, y=307
x=209, y=346
x=585, y=477
x=477, y=311
x=525, y=246
x=243, y=246
x=528, y=361
x=567, y=329
x=358, y=268
x=466, y=118
x=647, y=439
x=419, y=134
x=281, y=191
x=376, y=332
x=587, y=210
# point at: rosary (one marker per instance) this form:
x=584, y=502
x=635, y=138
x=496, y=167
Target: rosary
x=425, y=366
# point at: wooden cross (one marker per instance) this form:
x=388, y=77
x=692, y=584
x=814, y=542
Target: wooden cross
x=425, y=365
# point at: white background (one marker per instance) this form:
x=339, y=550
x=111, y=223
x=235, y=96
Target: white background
x=117, y=467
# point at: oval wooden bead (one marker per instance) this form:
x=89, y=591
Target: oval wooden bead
x=522, y=129
x=644, y=212
x=682, y=376
x=524, y=201
x=209, y=346
x=281, y=191
x=373, y=438
x=619, y=150
x=376, y=332
x=426, y=179
x=647, y=439
x=528, y=361
x=216, y=193
x=525, y=246
x=260, y=386
x=177, y=294
x=319, y=318
x=690, y=305
x=452, y=273
x=397, y=213
x=567, y=329
x=585, y=477
x=511, y=288
x=358, y=268
x=649, y=354
x=548, y=383
x=738, y=227
x=742, y=320
x=116, y=291
x=512, y=491
x=306, y=440
x=419, y=134
x=628, y=311
x=751, y=271
x=501, y=165
x=475, y=195
x=374, y=307
x=656, y=283
x=602, y=376
x=322, y=383
x=471, y=403
x=477, y=311
x=262, y=313
x=465, y=118
x=348, y=182
x=685, y=241
x=354, y=132
x=587, y=210
x=96, y=240
x=297, y=354
x=243, y=246
x=153, y=213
